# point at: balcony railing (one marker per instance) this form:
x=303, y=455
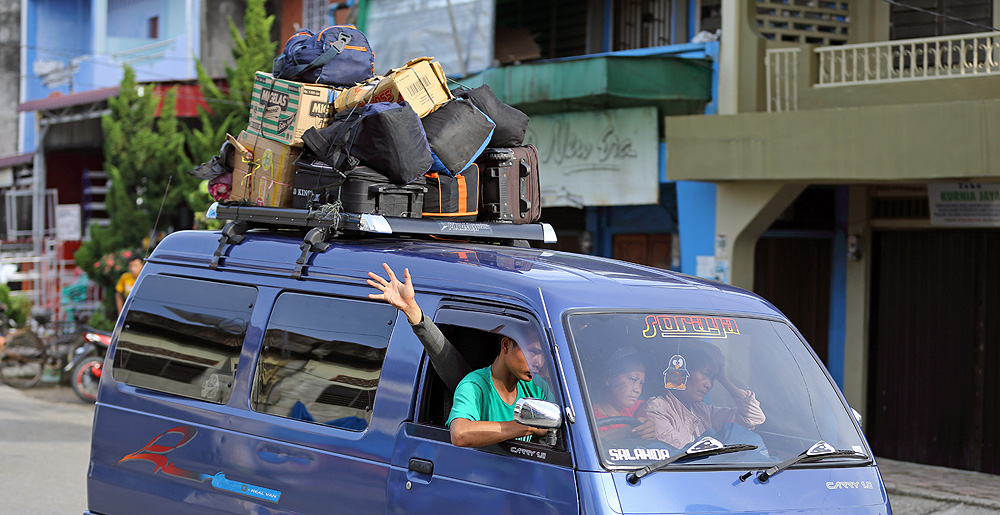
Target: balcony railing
x=965, y=55
x=782, y=66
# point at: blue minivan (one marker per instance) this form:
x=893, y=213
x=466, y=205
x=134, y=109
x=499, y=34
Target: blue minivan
x=251, y=373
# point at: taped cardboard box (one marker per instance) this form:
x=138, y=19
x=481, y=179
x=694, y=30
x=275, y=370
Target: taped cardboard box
x=263, y=171
x=282, y=110
x=421, y=83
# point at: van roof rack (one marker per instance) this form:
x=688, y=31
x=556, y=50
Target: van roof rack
x=324, y=226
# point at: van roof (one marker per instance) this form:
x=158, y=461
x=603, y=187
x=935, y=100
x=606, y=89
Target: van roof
x=470, y=269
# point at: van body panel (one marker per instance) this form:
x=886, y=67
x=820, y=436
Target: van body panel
x=818, y=490
x=475, y=480
x=170, y=466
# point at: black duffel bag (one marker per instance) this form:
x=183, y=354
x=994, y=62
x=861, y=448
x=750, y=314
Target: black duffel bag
x=457, y=132
x=511, y=123
x=386, y=137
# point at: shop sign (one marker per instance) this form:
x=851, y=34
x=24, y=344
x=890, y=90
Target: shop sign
x=597, y=158
x=68, y=222
x=964, y=204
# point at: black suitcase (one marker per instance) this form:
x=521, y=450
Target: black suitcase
x=452, y=198
x=367, y=191
x=508, y=185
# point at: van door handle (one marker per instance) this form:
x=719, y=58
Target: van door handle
x=421, y=466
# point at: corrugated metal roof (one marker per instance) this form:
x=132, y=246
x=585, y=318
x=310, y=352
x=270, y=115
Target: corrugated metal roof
x=16, y=160
x=56, y=102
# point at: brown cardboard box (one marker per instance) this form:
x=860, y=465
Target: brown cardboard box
x=421, y=83
x=263, y=171
x=282, y=110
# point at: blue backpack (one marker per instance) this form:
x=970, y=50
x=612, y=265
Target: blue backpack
x=338, y=56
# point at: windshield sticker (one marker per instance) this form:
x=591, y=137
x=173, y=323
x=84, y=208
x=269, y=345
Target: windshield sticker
x=670, y=326
x=156, y=454
x=675, y=377
x=638, y=454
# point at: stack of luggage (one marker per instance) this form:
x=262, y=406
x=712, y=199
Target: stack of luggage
x=326, y=132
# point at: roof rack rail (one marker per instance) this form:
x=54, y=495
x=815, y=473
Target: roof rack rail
x=334, y=224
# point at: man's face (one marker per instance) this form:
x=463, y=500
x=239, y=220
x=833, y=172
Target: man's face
x=534, y=356
x=698, y=386
x=134, y=267
x=515, y=361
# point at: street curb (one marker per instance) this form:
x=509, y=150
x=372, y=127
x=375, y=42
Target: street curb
x=932, y=495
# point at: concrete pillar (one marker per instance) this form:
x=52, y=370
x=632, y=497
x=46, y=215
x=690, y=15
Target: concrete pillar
x=741, y=59
x=869, y=21
x=743, y=211
x=858, y=291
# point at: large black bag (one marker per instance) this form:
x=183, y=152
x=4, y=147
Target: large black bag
x=511, y=123
x=316, y=182
x=339, y=56
x=457, y=132
x=383, y=136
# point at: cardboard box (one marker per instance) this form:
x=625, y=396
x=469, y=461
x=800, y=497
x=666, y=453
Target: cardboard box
x=282, y=110
x=263, y=171
x=421, y=83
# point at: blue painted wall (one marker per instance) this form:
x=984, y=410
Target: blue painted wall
x=63, y=30
x=57, y=31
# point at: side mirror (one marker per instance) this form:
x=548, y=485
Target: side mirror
x=537, y=413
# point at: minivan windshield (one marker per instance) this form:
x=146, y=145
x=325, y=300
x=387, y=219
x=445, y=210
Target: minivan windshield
x=655, y=383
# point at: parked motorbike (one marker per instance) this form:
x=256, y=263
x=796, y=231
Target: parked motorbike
x=87, y=363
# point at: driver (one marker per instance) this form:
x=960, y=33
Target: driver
x=623, y=381
x=681, y=416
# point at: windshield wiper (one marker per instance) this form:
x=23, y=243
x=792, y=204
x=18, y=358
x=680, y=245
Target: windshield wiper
x=707, y=446
x=819, y=451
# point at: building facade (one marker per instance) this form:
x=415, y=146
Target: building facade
x=855, y=186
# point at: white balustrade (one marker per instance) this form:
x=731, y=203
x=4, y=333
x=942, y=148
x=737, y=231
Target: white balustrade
x=911, y=59
x=782, y=67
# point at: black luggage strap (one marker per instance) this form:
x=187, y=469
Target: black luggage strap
x=335, y=48
x=231, y=233
x=315, y=241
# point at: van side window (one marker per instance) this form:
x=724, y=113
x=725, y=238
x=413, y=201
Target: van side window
x=475, y=332
x=183, y=337
x=322, y=359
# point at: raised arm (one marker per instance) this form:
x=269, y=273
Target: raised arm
x=447, y=362
x=398, y=294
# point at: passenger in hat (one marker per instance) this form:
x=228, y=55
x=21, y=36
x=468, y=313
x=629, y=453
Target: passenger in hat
x=483, y=409
x=681, y=415
x=623, y=381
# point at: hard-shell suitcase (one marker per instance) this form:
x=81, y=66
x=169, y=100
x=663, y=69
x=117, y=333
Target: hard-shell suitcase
x=452, y=198
x=367, y=191
x=508, y=185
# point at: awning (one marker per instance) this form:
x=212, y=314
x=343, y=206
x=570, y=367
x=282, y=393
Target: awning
x=62, y=101
x=675, y=85
x=16, y=160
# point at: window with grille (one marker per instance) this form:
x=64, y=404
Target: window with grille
x=315, y=14
x=559, y=27
x=816, y=22
x=641, y=24
x=909, y=23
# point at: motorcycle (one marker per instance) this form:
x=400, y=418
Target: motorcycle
x=87, y=363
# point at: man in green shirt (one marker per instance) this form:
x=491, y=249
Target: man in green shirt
x=483, y=409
